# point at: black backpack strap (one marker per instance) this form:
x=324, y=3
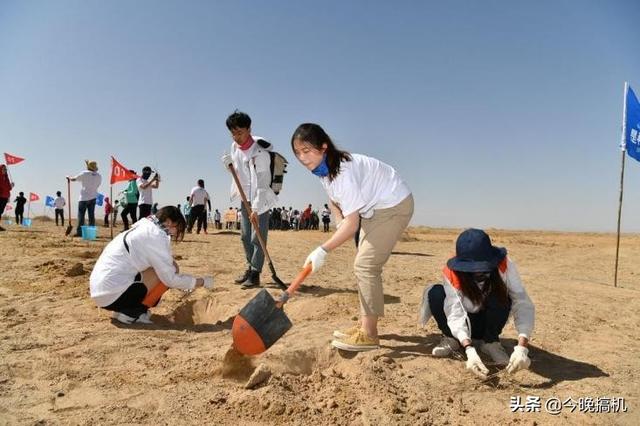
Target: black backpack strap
x=124, y=240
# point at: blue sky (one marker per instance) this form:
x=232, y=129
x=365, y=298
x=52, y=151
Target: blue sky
x=497, y=113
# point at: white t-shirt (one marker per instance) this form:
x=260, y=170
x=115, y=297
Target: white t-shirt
x=199, y=196
x=59, y=203
x=115, y=270
x=365, y=184
x=90, y=183
x=146, y=194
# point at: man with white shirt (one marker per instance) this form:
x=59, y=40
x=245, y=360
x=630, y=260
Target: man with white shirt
x=145, y=188
x=251, y=160
x=198, y=200
x=58, y=205
x=90, y=179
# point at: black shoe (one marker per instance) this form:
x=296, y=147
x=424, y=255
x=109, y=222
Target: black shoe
x=242, y=278
x=253, y=280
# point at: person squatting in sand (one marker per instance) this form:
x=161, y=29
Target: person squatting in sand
x=481, y=289
x=137, y=267
x=358, y=187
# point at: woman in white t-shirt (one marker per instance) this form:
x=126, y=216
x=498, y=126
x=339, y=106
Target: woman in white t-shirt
x=360, y=188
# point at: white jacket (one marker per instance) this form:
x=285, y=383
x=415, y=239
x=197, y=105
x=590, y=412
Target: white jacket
x=456, y=305
x=116, y=268
x=254, y=172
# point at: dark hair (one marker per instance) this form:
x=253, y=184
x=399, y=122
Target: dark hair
x=58, y=193
x=314, y=135
x=238, y=120
x=173, y=214
x=494, y=285
x=146, y=169
x=201, y=183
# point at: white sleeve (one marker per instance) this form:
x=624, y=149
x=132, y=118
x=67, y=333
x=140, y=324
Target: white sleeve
x=521, y=305
x=455, y=313
x=158, y=253
x=265, y=197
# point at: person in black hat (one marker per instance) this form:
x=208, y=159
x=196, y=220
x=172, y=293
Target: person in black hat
x=481, y=289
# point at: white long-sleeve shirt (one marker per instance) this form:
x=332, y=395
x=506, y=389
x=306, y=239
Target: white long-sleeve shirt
x=116, y=268
x=456, y=305
x=253, y=167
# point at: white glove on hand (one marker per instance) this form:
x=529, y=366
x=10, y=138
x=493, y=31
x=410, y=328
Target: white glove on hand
x=316, y=258
x=226, y=160
x=474, y=363
x=519, y=359
x=208, y=282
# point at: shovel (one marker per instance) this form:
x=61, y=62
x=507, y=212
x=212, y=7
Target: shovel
x=69, y=226
x=247, y=208
x=262, y=321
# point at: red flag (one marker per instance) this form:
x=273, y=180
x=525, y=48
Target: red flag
x=120, y=173
x=33, y=196
x=12, y=159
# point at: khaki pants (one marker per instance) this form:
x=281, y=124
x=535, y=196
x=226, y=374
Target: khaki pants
x=378, y=235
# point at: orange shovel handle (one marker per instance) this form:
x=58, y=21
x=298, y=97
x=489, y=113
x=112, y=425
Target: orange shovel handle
x=297, y=281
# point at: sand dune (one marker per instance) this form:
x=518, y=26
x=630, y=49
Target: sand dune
x=63, y=361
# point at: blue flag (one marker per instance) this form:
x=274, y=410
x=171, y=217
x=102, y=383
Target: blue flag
x=48, y=201
x=631, y=136
x=99, y=199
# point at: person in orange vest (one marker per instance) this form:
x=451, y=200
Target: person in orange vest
x=481, y=289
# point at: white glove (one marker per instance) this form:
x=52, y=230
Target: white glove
x=519, y=359
x=316, y=258
x=208, y=282
x=226, y=160
x=474, y=363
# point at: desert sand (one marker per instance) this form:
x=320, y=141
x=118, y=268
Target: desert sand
x=64, y=361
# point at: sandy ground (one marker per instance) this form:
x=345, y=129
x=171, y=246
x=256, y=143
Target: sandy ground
x=63, y=361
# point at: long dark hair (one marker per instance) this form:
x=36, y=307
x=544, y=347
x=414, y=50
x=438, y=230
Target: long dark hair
x=173, y=214
x=315, y=136
x=494, y=285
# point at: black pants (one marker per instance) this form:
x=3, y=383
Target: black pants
x=199, y=214
x=145, y=210
x=19, y=216
x=106, y=220
x=129, y=209
x=60, y=214
x=486, y=324
x=130, y=302
x=325, y=224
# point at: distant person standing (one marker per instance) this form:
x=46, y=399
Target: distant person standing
x=186, y=211
x=58, y=205
x=229, y=218
x=284, y=217
x=216, y=219
x=146, y=185
x=129, y=202
x=20, y=202
x=90, y=180
x=107, y=211
x=238, y=219
x=326, y=218
x=199, y=200
x=115, y=212
x=5, y=190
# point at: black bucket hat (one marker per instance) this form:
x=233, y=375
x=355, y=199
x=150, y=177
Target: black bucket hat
x=474, y=253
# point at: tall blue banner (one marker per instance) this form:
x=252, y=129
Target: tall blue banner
x=632, y=124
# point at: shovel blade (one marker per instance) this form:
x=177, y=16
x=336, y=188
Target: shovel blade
x=259, y=325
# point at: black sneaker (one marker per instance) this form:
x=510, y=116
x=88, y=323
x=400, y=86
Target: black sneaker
x=242, y=278
x=253, y=280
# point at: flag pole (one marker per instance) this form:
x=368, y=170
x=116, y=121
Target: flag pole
x=623, y=149
x=111, y=213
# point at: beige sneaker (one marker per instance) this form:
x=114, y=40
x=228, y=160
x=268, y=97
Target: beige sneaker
x=496, y=351
x=343, y=334
x=357, y=342
x=446, y=347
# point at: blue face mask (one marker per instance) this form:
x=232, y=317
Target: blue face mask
x=322, y=170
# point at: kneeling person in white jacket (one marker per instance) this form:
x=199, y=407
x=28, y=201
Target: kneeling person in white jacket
x=481, y=289
x=137, y=267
